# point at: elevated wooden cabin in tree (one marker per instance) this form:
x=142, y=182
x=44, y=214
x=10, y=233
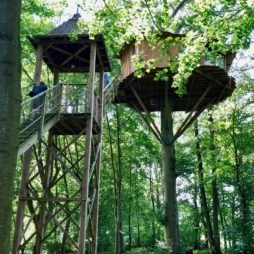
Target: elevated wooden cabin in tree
x=209, y=84
x=59, y=192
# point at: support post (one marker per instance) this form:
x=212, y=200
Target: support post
x=95, y=213
x=89, y=128
x=26, y=165
x=169, y=179
x=22, y=201
x=57, y=93
x=45, y=184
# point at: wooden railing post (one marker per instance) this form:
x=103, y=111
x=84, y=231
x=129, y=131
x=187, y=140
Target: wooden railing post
x=60, y=95
x=95, y=212
x=43, y=112
x=26, y=165
x=89, y=128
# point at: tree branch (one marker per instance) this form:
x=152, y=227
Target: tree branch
x=179, y=7
x=154, y=22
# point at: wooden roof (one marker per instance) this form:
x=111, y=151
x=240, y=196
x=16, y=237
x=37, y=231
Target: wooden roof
x=151, y=92
x=65, y=55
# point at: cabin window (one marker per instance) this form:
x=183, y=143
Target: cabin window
x=133, y=50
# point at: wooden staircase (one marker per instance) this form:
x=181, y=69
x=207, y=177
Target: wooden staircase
x=56, y=106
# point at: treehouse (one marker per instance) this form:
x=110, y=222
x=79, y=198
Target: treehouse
x=64, y=54
x=210, y=75
x=69, y=114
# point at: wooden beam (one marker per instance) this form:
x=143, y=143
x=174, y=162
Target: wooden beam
x=89, y=128
x=26, y=164
x=147, y=123
x=53, y=199
x=21, y=204
x=57, y=223
x=200, y=100
x=187, y=125
x=205, y=75
x=69, y=54
x=95, y=210
x=146, y=111
x=99, y=57
x=38, y=64
x=45, y=178
x=61, y=222
x=179, y=133
x=74, y=55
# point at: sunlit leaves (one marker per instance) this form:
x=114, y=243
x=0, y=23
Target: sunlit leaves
x=224, y=24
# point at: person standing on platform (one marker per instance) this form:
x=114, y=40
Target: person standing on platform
x=106, y=79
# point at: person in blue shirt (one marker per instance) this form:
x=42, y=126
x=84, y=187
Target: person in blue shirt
x=106, y=79
x=37, y=89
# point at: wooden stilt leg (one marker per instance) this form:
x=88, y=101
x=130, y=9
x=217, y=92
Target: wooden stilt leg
x=26, y=165
x=22, y=202
x=95, y=212
x=89, y=128
x=45, y=183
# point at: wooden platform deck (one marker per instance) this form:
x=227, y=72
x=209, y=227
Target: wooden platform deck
x=151, y=92
x=68, y=124
x=73, y=124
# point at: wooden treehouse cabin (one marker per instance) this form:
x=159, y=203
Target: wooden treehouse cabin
x=208, y=73
x=208, y=84
x=68, y=115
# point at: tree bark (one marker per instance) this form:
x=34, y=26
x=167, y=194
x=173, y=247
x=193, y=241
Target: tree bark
x=10, y=98
x=215, y=193
x=169, y=179
x=242, y=186
x=130, y=210
x=196, y=244
x=119, y=248
x=204, y=205
x=153, y=208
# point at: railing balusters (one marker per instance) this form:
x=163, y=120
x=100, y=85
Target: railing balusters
x=60, y=99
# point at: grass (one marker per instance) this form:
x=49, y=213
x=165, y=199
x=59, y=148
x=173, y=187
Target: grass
x=146, y=251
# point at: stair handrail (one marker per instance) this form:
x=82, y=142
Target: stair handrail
x=47, y=102
x=111, y=89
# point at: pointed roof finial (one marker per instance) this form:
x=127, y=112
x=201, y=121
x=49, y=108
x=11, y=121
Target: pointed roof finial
x=78, y=7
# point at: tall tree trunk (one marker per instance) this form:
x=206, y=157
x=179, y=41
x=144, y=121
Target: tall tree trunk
x=233, y=236
x=153, y=208
x=206, y=244
x=223, y=230
x=204, y=205
x=223, y=218
x=119, y=232
x=246, y=226
x=196, y=244
x=130, y=209
x=10, y=98
x=137, y=205
x=169, y=179
x=215, y=194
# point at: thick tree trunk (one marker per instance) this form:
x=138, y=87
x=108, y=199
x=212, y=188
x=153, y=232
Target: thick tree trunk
x=10, y=99
x=169, y=179
x=204, y=205
x=130, y=210
x=215, y=193
x=153, y=208
x=119, y=248
x=242, y=186
x=137, y=209
x=196, y=244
